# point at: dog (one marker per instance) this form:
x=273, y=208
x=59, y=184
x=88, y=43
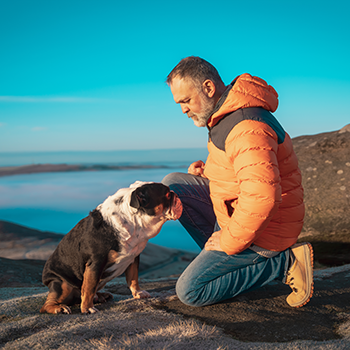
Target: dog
x=105, y=244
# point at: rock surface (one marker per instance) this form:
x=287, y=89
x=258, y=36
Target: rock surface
x=324, y=160
x=259, y=316
x=257, y=320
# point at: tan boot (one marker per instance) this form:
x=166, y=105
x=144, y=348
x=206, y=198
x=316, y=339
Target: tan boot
x=299, y=276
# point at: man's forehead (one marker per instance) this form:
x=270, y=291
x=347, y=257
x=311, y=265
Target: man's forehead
x=181, y=88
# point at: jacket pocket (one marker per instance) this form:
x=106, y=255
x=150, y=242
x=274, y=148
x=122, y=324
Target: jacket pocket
x=230, y=205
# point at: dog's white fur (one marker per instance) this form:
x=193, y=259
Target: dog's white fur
x=134, y=231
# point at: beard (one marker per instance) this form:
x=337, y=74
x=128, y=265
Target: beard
x=201, y=119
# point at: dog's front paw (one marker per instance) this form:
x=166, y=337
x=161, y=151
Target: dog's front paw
x=141, y=294
x=102, y=297
x=90, y=310
x=62, y=309
x=53, y=307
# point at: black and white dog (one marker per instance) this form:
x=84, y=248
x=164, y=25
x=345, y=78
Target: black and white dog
x=105, y=244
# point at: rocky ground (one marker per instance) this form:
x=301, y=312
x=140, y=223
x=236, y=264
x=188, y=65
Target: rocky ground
x=257, y=320
x=258, y=316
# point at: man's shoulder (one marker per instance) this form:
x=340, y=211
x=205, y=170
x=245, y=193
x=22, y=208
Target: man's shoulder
x=219, y=133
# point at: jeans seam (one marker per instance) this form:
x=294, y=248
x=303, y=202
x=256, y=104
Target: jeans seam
x=200, y=199
x=214, y=265
x=193, y=222
x=255, y=261
x=216, y=270
x=222, y=262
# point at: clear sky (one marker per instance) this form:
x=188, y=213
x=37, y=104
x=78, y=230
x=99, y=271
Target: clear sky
x=89, y=75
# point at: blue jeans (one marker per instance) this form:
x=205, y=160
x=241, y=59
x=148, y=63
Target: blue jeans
x=214, y=276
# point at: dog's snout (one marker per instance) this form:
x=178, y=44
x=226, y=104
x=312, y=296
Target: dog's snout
x=171, y=195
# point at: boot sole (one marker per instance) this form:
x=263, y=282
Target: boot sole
x=309, y=259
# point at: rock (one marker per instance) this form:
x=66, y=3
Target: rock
x=259, y=319
x=326, y=182
x=346, y=128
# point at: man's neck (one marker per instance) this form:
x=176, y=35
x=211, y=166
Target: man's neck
x=220, y=90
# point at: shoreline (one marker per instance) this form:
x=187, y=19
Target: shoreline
x=53, y=168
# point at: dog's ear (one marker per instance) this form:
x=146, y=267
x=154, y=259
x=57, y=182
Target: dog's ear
x=97, y=218
x=139, y=198
x=134, y=201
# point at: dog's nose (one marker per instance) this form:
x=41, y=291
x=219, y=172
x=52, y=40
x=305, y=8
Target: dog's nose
x=171, y=195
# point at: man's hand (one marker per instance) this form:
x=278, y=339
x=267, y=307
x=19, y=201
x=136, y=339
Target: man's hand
x=213, y=243
x=196, y=168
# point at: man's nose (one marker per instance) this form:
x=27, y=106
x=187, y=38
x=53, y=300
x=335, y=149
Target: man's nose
x=184, y=109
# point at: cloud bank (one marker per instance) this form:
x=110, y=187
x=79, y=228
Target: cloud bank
x=47, y=99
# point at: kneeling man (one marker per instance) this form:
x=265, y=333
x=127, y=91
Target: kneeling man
x=244, y=206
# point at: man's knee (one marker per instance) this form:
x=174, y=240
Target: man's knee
x=173, y=178
x=186, y=293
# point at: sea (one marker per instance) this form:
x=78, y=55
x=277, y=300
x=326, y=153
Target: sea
x=57, y=201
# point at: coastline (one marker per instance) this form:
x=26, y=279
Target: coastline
x=51, y=168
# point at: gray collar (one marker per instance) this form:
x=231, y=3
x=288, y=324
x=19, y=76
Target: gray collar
x=222, y=99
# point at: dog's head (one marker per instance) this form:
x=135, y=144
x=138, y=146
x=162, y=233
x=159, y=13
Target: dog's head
x=155, y=199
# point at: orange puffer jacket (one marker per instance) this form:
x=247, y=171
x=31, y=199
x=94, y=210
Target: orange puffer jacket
x=255, y=181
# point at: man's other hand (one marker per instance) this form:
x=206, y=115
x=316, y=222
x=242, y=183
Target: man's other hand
x=213, y=243
x=196, y=168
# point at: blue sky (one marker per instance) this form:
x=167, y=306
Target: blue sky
x=89, y=75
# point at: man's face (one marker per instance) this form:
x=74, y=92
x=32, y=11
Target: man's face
x=194, y=102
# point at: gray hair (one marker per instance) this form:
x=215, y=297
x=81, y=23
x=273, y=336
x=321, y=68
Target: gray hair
x=196, y=69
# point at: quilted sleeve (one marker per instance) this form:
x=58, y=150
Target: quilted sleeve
x=252, y=150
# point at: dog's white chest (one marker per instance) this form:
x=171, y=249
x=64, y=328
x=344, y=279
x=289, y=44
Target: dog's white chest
x=124, y=258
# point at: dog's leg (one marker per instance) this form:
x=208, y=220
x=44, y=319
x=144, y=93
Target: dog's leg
x=60, y=294
x=102, y=297
x=132, y=279
x=88, y=290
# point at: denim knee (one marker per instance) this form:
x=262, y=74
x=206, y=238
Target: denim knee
x=186, y=294
x=173, y=178
x=182, y=292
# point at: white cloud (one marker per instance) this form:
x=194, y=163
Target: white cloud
x=39, y=128
x=57, y=99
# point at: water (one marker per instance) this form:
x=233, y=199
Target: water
x=170, y=157
x=55, y=202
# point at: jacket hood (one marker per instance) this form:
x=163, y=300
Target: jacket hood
x=246, y=91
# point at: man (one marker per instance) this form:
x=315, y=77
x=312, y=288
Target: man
x=244, y=206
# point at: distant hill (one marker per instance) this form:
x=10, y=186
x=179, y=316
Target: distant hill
x=51, y=168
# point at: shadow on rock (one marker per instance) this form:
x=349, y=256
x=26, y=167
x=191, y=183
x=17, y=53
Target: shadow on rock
x=264, y=316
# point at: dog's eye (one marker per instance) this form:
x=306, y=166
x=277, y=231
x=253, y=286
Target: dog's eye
x=157, y=209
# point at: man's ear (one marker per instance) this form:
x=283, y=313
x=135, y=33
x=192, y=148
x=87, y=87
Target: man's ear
x=209, y=88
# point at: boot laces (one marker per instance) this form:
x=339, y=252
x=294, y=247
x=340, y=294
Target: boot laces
x=291, y=283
